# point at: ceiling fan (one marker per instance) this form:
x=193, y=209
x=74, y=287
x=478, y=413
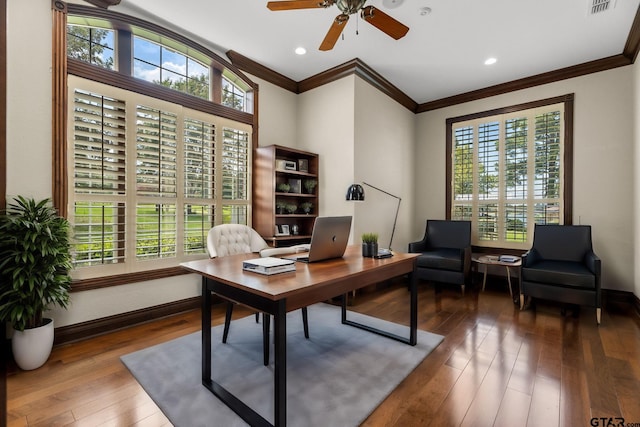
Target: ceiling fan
x=374, y=16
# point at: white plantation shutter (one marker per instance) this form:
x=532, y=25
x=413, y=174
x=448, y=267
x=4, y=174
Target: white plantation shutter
x=99, y=144
x=199, y=146
x=508, y=174
x=99, y=173
x=156, y=152
x=199, y=183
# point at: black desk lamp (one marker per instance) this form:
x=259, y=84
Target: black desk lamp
x=356, y=193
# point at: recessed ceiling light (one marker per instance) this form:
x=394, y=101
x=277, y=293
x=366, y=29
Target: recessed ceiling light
x=300, y=50
x=392, y=4
x=424, y=11
x=490, y=61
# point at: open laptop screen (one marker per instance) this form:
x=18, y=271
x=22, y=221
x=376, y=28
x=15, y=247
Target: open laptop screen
x=328, y=240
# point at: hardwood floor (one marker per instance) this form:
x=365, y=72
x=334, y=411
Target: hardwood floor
x=497, y=366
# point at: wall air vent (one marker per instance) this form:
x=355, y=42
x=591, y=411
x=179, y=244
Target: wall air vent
x=597, y=6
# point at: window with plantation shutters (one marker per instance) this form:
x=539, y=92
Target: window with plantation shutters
x=508, y=171
x=99, y=181
x=150, y=179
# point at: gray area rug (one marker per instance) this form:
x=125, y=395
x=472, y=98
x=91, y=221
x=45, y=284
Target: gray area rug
x=335, y=378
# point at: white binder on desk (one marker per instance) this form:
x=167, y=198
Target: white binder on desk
x=269, y=265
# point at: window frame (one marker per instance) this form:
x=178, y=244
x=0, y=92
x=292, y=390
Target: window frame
x=567, y=154
x=121, y=78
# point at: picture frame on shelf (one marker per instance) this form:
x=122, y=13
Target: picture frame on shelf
x=286, y=165
x=295, y=185
x=303, y=165
x=282, y=230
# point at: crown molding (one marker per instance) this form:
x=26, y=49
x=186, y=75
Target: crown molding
x=527, y=82
x=252, y=67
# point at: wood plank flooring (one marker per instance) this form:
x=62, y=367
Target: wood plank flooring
x=498, y=366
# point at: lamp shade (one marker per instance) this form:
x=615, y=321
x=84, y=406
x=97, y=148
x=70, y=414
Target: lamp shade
x=355, y=192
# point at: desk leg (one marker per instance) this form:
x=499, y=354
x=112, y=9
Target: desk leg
x=206, y=333
x=509, y=281
x=413, y=314
x=280, y=368
x=484, y=278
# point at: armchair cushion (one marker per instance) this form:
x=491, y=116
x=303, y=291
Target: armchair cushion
x=562, y=273
x=442, y=259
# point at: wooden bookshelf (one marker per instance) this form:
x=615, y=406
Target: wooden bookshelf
x=276, y=165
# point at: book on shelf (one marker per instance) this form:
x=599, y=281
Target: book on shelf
x=269, y=265
x=508, y=258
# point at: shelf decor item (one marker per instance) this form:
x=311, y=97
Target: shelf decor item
x=306, y=207
x=310, y=185
x=369, y=244
x=283, y=187
x=35, y=260
x=291, y=208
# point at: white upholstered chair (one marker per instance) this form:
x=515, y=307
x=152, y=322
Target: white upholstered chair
x=232, y=239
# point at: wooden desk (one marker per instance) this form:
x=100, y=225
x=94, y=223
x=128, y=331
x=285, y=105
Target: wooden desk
x=280, y=293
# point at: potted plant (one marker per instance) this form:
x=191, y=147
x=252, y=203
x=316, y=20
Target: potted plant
x=310, y=185
x=291, y=208
x=306, y=207
x=283, y=187
x=35, y=260
x=369, y=244
x=280, y=207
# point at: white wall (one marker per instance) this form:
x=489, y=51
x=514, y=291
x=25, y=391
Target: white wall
x=603, y=165
x=326, y=126
x=384, y=144
x=277, y=109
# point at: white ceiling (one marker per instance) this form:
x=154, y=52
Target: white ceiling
x=442, y=54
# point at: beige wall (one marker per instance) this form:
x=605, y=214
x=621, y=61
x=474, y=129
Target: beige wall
x=384, y=143
x=326, y=126
x=603, y=164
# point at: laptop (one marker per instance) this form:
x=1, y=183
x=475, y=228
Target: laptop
x=328, y=240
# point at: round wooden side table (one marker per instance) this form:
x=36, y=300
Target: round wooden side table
x=488, y=260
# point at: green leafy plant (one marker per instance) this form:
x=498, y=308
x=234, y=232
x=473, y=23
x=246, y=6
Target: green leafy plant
x=370, y=238
x=306, y=207
x=291, y=208
x=310, y=185
x=281, y=207
x=283, y=187
x=35, y=260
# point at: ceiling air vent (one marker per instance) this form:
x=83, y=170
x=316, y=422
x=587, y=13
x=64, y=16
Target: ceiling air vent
x=597, y=6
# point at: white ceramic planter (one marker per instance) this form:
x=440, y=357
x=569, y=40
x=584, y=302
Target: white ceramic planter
x=32, y=347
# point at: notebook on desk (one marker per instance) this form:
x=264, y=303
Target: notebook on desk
x=328, y=239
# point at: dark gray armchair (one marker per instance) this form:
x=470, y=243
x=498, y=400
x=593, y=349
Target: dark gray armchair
x=561, y=266
x=445, y=252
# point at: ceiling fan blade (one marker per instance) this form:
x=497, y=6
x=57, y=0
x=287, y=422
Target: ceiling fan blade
x=334, y=32
x=384, y=22
x=298, y=4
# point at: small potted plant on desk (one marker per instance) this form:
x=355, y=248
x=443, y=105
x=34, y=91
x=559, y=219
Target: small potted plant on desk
x=35, y=260
x=369, y=244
